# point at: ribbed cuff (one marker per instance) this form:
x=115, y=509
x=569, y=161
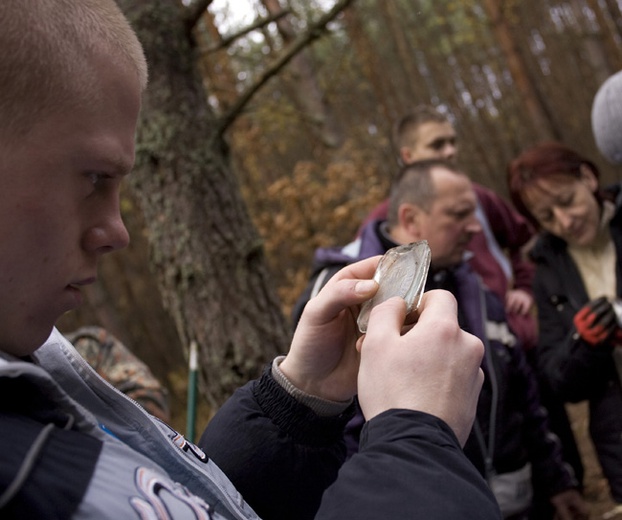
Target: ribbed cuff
x=297, y=420
x=322, y=407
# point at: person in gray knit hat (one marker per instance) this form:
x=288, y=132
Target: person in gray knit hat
x=607, y=118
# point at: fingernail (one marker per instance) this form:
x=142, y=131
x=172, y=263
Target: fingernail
x=364, y=286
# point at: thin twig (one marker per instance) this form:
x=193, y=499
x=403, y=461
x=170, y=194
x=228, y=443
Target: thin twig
x=314, y=32
x=194, y=13
x=261, y=22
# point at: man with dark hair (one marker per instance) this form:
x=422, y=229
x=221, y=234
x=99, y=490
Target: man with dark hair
x=511, y=443
x=498, y=248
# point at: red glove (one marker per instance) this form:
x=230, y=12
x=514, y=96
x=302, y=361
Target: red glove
x=596, y=321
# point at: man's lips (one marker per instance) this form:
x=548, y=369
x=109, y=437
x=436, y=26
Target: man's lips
x=75, y=290
x=83, y=282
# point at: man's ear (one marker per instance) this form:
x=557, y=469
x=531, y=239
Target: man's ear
x=410, y=219
x=405, y=155
x=588, y=177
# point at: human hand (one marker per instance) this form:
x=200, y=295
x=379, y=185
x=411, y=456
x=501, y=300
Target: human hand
x=432, y=367
x=518, y=301
x=569, y=505
x=596, y=321
x=323, y=359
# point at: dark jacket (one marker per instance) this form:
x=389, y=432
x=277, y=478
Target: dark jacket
x=410, y=464
x=509, y=405
x=575, y=370
x=73, y=447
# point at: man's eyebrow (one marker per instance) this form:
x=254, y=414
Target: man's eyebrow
x=446, y=139
x=464, y=206
x=116, y=165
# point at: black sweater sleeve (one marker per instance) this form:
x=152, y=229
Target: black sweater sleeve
x=285, y=460
x=574, y=369
x=410, y=465
x=278, y=453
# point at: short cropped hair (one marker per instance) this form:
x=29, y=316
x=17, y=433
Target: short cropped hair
x=47, y=46
x=413, y=185
x=547, y=160
x=405, y=129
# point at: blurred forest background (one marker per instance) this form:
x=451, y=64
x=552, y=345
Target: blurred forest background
x=263, y=140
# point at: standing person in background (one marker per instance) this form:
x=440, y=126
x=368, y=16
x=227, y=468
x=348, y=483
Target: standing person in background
x=114, y=362
x=511, y=444
x=71, y=447
x=498, y=249
x=577, y=284
x=498, y=254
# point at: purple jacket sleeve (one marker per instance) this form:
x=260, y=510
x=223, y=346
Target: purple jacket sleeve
x=379, y=212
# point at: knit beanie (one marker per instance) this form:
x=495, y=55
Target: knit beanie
x=607, y=118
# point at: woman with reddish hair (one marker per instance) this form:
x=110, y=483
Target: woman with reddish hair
x=577, y=287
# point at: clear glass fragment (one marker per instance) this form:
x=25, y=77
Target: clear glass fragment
x=402, y=271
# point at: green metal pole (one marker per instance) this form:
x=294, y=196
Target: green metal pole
x=192, y=391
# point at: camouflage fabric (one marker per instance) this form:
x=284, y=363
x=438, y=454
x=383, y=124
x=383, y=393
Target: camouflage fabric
x=114, y=362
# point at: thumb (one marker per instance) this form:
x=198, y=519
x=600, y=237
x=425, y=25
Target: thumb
x=386, y=319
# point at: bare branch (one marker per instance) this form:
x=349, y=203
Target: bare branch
x=258, y=24
x=312, y=34
x=194, y=13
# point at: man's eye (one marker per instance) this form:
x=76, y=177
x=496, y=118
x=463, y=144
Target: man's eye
x=97, y=178
x=463, y=214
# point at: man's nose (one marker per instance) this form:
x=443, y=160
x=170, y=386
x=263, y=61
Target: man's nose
x=106, y=236
x=474, y=225
x=449, y=151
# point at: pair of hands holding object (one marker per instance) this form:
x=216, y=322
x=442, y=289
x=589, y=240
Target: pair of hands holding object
x=421, y=362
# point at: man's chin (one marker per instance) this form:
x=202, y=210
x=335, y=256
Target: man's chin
x=448, y=263
x=24, y=345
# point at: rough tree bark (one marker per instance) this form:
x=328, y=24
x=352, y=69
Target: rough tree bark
x=207, y=255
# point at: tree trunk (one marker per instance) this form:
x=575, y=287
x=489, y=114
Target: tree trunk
x=206, y=253
x=534, y=105
x=605, y=42
x=369, y=64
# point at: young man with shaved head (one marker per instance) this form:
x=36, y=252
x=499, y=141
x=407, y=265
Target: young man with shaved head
x=71, y=446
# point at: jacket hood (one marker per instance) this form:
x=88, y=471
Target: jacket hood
x=367, y=244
